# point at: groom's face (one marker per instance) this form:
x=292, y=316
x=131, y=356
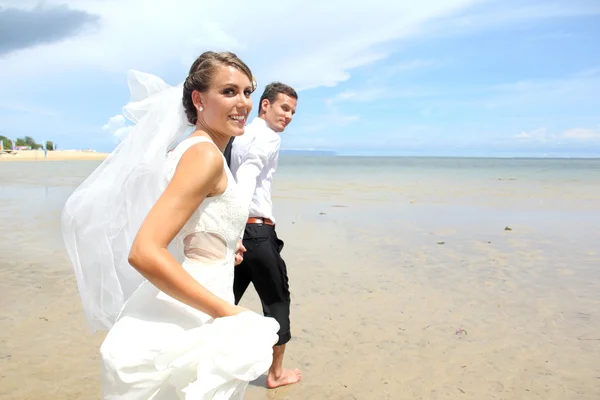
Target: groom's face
x=279, y=114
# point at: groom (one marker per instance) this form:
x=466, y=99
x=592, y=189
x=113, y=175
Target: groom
x=253, y=158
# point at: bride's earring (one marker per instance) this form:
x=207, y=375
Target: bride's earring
x=200, y=109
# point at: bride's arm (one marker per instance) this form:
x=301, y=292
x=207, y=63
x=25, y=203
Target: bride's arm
x=198, y=174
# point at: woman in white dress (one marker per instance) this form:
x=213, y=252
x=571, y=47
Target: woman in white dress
x=176, y=218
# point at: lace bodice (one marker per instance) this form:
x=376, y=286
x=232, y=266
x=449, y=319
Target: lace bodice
x=212, y=232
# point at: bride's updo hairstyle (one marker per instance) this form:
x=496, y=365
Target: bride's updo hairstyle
x=201, y=73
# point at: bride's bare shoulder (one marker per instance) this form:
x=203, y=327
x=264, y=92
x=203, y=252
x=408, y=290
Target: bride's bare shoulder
x=202, y=163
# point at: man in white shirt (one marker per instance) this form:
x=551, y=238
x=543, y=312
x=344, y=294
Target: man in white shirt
x=254, y=157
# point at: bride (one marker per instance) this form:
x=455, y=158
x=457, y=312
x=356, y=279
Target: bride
x=169, y=208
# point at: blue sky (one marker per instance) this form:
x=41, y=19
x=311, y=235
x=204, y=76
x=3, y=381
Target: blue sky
x=434, y=77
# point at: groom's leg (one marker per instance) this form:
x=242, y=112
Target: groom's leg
x=271, y=282
x=242, y=276
x=269, y=276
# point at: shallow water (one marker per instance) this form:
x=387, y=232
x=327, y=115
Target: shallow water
x=403, y=278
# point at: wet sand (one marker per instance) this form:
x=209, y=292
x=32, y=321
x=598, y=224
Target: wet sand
x=399, y=291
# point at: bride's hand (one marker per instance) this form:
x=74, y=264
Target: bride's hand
x=232, y=310
x=239, y=253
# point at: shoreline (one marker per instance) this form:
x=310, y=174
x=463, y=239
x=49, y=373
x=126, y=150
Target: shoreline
x=55, y=155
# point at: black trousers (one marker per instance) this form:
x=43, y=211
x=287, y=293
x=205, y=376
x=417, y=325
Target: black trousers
x=264, y=267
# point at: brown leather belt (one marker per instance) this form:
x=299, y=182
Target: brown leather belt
x=266, y=221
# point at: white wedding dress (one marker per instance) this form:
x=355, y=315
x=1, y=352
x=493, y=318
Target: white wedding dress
x=160, y=348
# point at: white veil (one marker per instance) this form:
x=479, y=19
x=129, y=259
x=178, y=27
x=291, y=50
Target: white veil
x=102, y=216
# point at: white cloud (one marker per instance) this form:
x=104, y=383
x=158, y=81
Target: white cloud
x=539, y=135
x=413, y=65
x=307, y=45
x=117, y=126
x=365, y=95
x=501, y=13
x=581, y=134
x=582, y=87
x=570, y=135
x=323, y=122
x=315, y=44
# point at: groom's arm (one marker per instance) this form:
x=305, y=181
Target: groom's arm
x=260, y=154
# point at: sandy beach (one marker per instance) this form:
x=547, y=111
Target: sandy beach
x=422, y=285
x=56, y=155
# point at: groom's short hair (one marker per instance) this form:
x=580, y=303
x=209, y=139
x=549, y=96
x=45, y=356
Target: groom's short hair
x=272, y=90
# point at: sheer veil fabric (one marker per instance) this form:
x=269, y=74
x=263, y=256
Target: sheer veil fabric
x=102, y=216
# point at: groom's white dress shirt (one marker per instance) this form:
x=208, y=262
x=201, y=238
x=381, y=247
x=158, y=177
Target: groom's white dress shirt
x=254, y=157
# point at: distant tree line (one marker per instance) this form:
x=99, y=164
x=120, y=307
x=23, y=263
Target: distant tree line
x=26, y=141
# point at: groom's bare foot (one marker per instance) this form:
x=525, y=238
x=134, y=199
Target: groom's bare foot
x=287, y=377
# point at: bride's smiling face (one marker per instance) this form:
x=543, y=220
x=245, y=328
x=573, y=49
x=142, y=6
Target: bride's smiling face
x=225, y=106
